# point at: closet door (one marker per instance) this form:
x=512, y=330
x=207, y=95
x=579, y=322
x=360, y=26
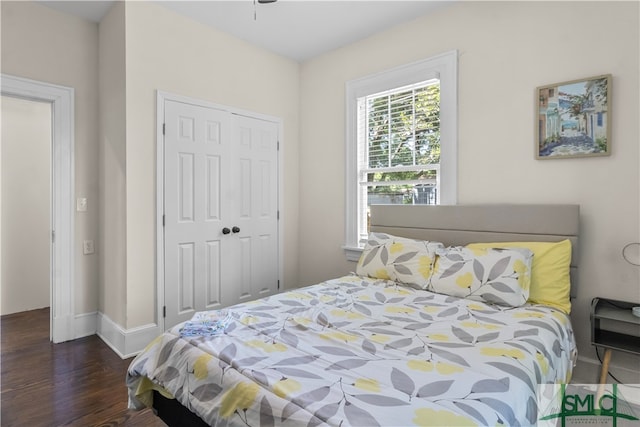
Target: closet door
x=197, y=166
x=220, y=205
x=255, y=256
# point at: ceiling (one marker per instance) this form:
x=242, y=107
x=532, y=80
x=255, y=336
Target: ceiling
x=297, y=29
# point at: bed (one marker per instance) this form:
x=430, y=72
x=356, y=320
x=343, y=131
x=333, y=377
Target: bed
x=367, y=349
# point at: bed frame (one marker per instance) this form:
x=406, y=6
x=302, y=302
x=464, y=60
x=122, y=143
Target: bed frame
x=173, y=414
x=451, y=225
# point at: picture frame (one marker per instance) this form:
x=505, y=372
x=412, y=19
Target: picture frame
x=573, y=119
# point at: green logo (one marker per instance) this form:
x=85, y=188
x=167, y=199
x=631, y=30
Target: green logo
x=574, y=404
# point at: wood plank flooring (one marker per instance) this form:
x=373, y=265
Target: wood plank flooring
x=77, y=383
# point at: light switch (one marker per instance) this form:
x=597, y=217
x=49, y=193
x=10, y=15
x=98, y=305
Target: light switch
x=81, y=204
x=87, y=247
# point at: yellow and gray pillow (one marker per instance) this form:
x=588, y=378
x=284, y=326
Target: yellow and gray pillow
x=400, y=259
x=495, y=275
x=550, y=280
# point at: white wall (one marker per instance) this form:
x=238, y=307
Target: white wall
x=42, y=44
x=165, y=51
x=112, y=241
x=506, y=50
x=26, y=204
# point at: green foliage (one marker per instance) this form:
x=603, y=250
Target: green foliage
x=404, y=130
x=552, y=139
x=577, y=105
x=602, y=143
x=600, y=89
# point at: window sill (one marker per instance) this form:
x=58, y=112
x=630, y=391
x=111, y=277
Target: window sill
x=353, y=252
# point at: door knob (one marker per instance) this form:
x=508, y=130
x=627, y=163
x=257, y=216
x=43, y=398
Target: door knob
x=235, y=229
x=226, y=231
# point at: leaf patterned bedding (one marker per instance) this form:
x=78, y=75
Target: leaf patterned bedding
x=358, y=351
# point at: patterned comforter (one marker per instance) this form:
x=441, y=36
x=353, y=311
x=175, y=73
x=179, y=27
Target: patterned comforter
x=358, y=351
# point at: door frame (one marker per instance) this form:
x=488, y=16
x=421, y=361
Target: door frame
x=62, y=194
x=161, y=98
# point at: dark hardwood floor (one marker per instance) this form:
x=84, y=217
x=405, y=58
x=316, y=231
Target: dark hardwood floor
x=77, y=383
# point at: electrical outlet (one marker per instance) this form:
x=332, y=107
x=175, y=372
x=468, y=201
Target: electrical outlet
x=87, y=247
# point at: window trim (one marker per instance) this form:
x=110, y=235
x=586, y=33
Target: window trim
x=443, y=66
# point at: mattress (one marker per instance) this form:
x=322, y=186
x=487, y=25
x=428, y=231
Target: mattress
x=360, y=351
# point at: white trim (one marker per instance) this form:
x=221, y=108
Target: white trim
x=281, y=214
x=161, y=98
x=125, y=343
x=85, y=324
x=444, y=67
x=160, y=101
x=352, y=253
x=62, y=214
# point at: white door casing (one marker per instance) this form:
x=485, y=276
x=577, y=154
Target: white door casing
x=220, y=209
x=62, y=326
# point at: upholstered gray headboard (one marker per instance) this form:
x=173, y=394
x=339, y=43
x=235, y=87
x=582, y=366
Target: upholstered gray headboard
x=463, y=224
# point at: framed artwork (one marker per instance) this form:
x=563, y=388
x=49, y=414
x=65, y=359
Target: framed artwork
x=573, y=119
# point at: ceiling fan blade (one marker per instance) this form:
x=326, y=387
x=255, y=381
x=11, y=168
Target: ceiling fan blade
x=266, y=1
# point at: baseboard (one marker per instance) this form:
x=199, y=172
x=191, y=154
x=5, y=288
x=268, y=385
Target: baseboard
x=587, y=371
x=85, y=324
x=62, y=328
x=125, y=343
x=624, y=373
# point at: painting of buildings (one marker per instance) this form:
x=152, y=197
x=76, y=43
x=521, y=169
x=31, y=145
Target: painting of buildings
x=572, y=119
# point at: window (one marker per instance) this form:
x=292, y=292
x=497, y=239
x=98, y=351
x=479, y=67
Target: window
x=399, y=146
x=401, y=141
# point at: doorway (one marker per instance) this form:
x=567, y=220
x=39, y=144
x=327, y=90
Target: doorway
x=26, y=205
x=61, y=101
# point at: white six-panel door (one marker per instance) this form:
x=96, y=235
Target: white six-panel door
x=220, y=207
x=256, y=199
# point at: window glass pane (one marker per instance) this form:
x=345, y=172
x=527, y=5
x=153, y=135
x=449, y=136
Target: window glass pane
x=403, y=127
x=402, y=130
x=427, y=106
x=417, y=194
x=408, y=194
x=378, y=132
x=428, y=176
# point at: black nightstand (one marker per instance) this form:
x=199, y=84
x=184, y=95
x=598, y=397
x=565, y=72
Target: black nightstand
x=614, y=327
